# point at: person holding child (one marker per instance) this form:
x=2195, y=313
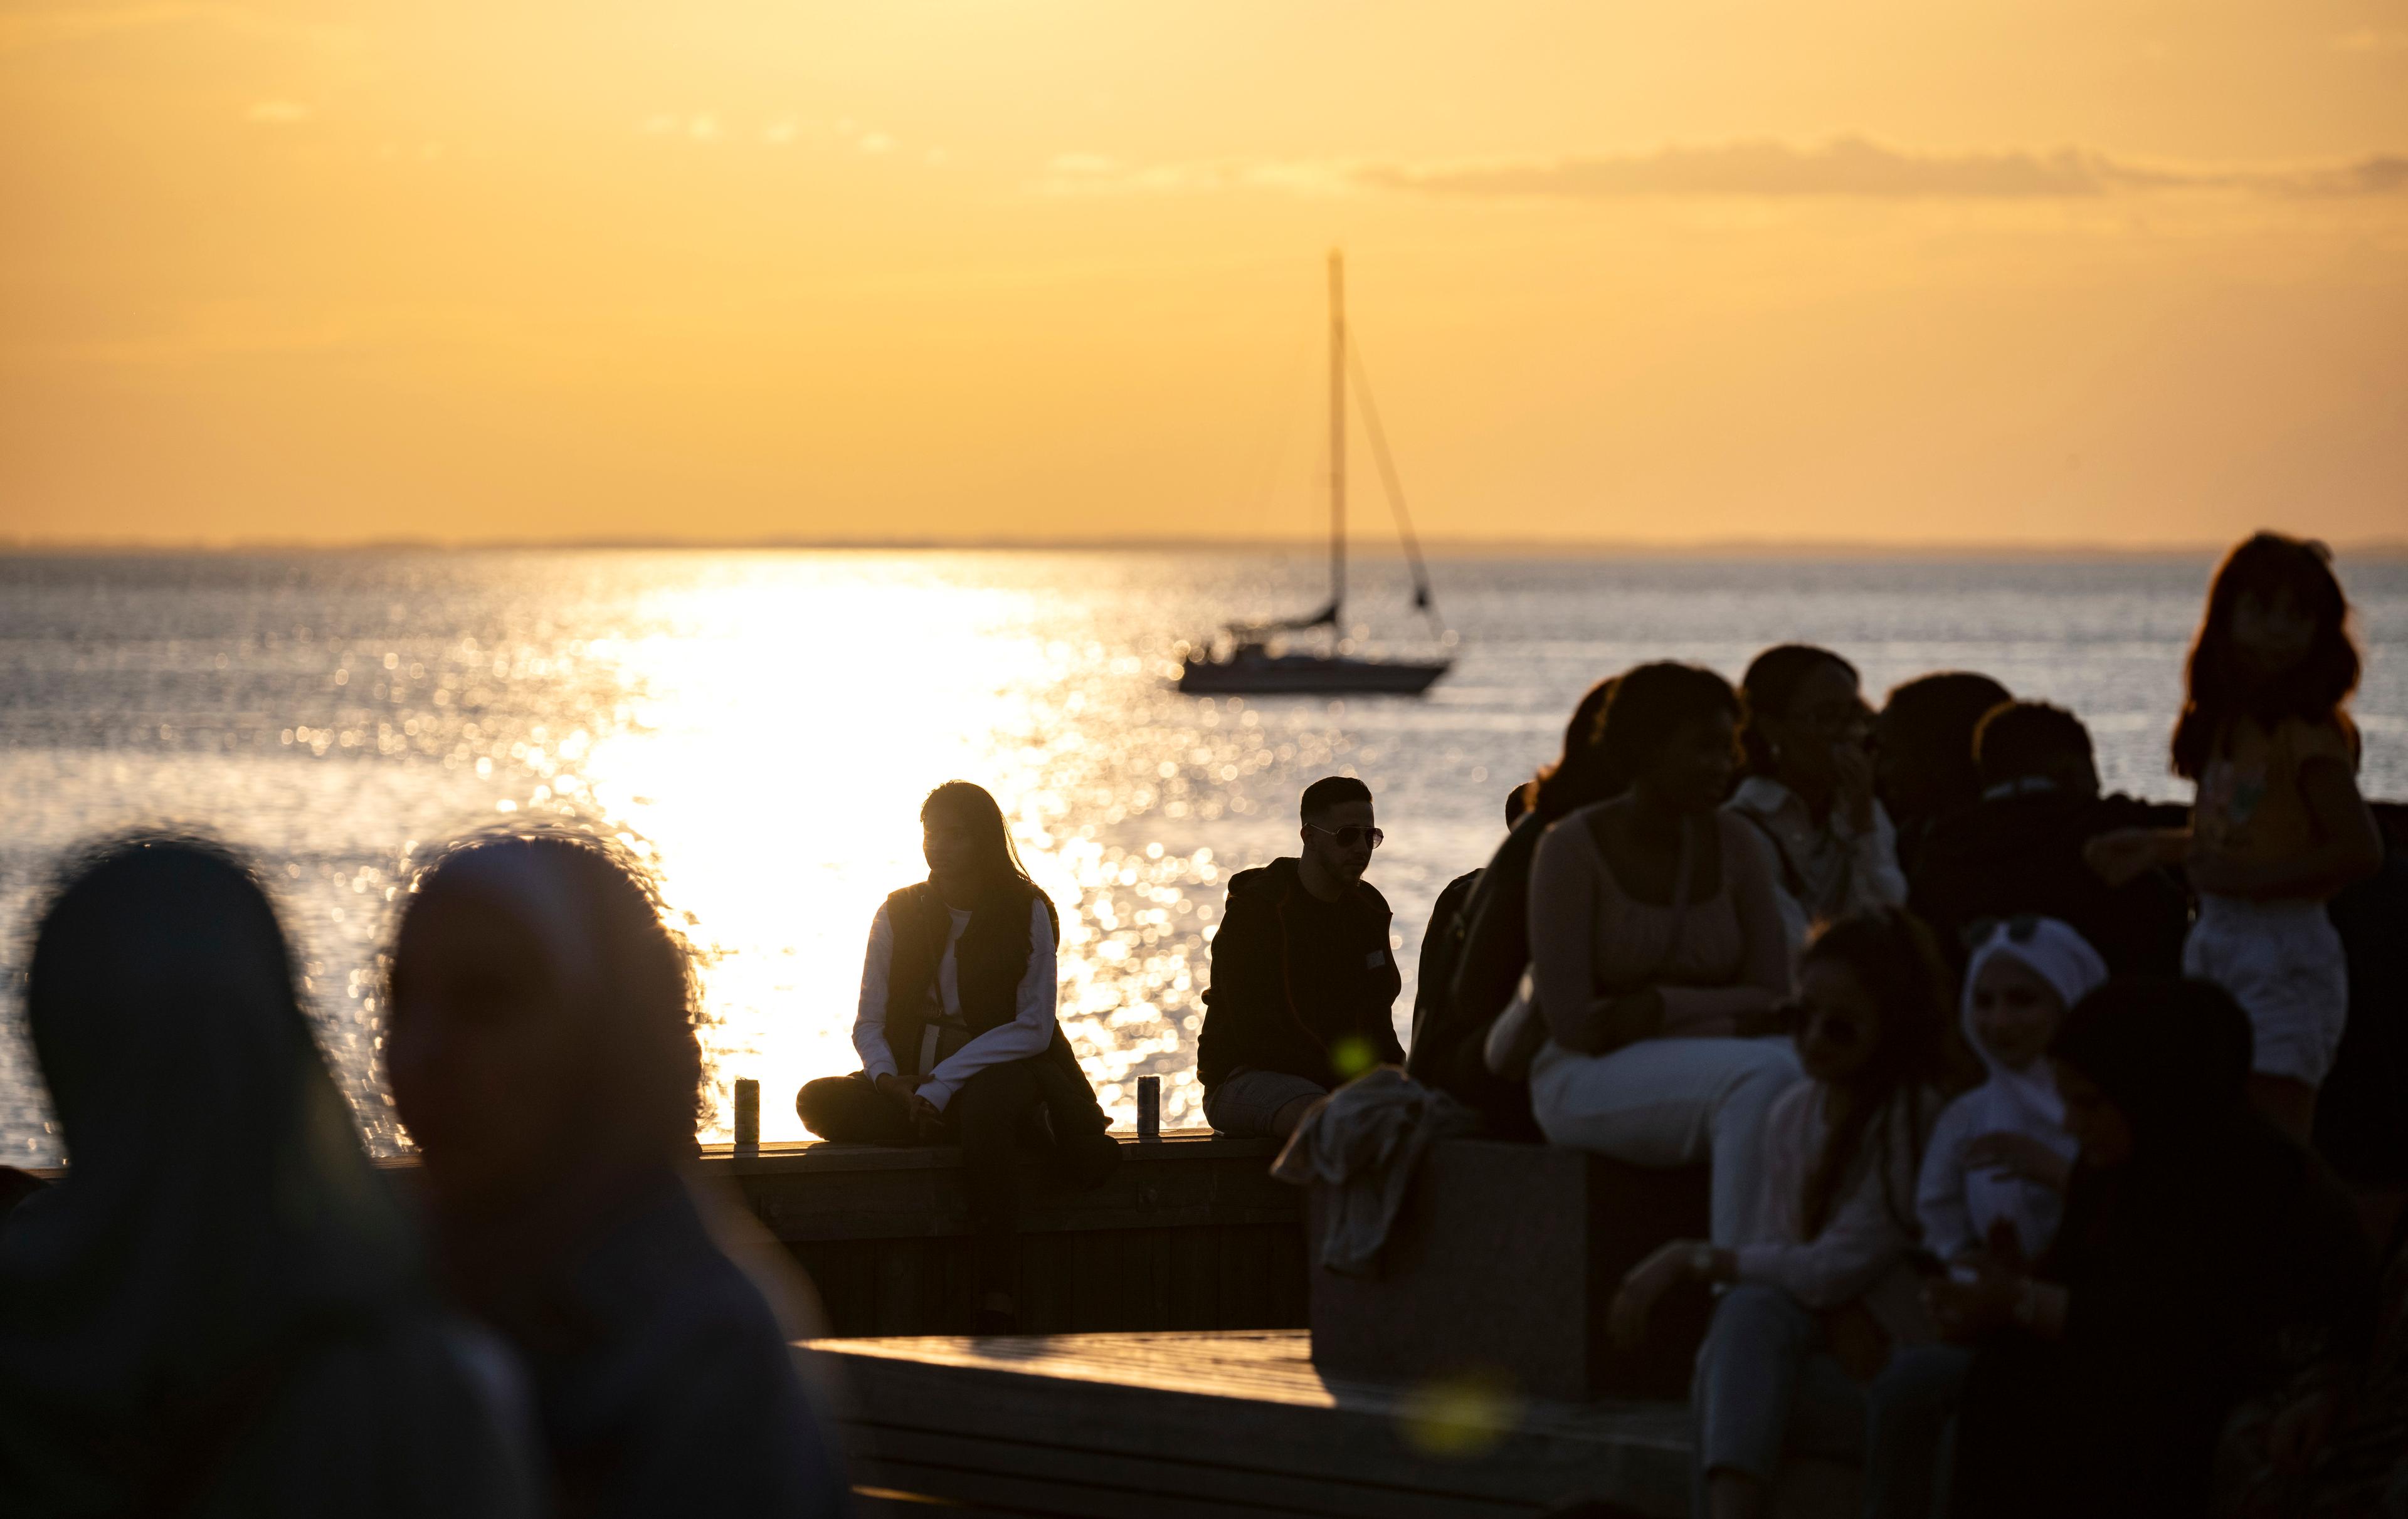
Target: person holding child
x=2203, y=1257
x=2278, y=827
x=1993, y=1182
x=1823, y=1294
x=1998, y=1161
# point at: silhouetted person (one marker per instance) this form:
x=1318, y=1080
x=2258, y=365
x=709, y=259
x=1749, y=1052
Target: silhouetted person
x=2017, y=851
x=220, y=1311
x=2277, y=826
x=1804, y=1347
x=1809, y=788
x=957, y=1036
x=1447, y=1051
x=1923, y=753
x=1303, y=976
x=2198, y=1247
x=1657, y=954
x=1441, y=948
x=541, y=1049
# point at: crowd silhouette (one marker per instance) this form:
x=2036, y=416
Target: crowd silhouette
x=2006, y=1093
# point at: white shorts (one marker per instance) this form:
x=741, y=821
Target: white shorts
x=2283, y=961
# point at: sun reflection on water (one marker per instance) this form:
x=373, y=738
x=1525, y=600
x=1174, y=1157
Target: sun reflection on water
x=763, y=727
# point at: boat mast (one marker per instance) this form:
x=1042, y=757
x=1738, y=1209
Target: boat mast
x=1337, y=442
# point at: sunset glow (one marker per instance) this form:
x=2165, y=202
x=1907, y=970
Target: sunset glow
x=957, y=271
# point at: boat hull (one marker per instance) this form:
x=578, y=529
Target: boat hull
x=1303, y=676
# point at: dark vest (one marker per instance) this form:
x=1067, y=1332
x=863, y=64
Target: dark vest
x=988, y=963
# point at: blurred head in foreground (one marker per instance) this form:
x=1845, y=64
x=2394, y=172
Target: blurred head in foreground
x=542, y=1053
x=221, y=1248
x=541, y=1033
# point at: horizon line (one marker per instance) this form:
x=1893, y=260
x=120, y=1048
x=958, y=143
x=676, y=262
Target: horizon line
x=2390, y=547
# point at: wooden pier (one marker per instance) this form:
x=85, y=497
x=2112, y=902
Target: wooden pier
x=1218, y=1426
x=1191, y=1233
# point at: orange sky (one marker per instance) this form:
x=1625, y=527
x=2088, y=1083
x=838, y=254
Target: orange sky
x=2037, y=271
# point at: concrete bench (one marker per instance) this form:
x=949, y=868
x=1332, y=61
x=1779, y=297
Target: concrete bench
x=1501, y=1267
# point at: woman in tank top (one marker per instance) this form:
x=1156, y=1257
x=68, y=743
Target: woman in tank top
x=1658, y=956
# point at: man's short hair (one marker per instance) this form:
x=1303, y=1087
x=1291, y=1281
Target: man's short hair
x=1329, y=792
x=2028, y=738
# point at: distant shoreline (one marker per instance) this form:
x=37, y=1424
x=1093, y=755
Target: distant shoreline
x=1736, y=548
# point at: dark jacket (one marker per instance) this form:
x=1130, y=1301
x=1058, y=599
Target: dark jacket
x=2023, y=854
x=2192, y=1282
x=1449, y=1033
x=1284, y=998
x=1442, y=951
x=988, y=965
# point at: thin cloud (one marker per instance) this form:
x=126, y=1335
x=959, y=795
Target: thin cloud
x=277, y=112
x=27, y=29
x=2372, y=40
x=1846, y=169
x=1851, y=167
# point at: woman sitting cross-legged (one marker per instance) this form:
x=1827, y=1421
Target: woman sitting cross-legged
x=956, y=1033
x=1823, y=1290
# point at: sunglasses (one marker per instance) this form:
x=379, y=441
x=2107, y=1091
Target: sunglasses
x=1350, y=834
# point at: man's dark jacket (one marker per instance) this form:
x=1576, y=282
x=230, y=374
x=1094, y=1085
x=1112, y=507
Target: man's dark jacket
x=1285, y=999
x=2022, y=854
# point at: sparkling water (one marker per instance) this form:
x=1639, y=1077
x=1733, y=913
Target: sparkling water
x=763, y=725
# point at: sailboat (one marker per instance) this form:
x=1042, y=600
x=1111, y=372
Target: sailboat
x=1243, y=663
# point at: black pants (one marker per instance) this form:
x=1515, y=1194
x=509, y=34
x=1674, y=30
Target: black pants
x=1041, y=1103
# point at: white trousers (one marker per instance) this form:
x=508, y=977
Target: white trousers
x=1672, y=1102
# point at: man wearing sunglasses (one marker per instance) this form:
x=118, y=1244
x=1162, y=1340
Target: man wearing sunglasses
x=1302, y=974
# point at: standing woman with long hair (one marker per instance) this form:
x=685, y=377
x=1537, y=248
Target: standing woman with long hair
x=2278, y=827
x=1809, y=787
x=956, y=1033
x=1496, y=947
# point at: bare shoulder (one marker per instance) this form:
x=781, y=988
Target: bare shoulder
x=1579, y=828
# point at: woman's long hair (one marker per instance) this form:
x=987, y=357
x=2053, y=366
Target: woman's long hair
x=1768, y=688
x=220, y=1203
x=2315, y=690
x=972, y=808
x=1576, y=778
x=1895, y=958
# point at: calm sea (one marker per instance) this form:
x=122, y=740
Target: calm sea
x=763, y=725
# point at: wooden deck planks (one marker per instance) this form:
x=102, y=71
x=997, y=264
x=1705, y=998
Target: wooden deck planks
x=1191, y=1233
x=1226, y=1423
